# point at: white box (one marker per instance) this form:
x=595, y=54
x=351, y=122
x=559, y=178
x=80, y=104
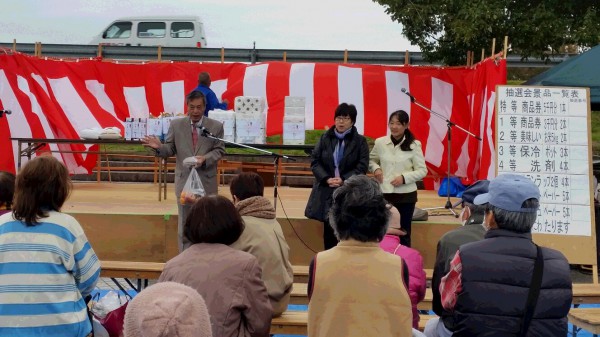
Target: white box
x=294, y=131
x=294, y=111
x=128, y=128
x=228, y=120
x=166, y=123
x=154, y=127
x=295, y=101
x=249, y=104
x=250, y=128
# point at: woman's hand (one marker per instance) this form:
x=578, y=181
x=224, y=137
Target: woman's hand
x=335, y=182
x=399, y=180
x=378, y=175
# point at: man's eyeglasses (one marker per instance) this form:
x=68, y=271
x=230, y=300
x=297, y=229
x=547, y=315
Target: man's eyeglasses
x=342, y=119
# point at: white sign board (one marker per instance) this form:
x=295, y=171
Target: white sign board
x=542, y=133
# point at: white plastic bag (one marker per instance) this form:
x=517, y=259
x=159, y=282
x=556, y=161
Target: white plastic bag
x=108, y=303
x=192, y=190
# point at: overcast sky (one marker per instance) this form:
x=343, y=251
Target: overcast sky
x=277, y=24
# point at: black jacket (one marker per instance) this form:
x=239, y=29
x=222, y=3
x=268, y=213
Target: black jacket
x=355, y=161
x=496, y=276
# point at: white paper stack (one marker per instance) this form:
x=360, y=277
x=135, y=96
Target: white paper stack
x=228, y=120
x=250, y=128
x=249, y=104
x=294, y=119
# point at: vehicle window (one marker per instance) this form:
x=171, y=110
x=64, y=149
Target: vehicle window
x=118, y=30
x=182, y=29
x=151, y=29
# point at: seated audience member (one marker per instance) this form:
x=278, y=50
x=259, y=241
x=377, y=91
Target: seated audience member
x=489, y=281
x=229, y=280
x=47, y=266
x=356, y=288
x=263, y=238
x=7, y=189
x=413, y=261
x=472, y=230
x=167, y=309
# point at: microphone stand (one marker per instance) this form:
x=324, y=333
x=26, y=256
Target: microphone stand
x=277, y=157
x=449, y=206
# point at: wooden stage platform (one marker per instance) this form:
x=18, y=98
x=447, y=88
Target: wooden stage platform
x=126, y=222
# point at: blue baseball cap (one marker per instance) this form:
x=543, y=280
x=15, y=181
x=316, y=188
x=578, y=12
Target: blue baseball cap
x=477, y=188
x=508, y=192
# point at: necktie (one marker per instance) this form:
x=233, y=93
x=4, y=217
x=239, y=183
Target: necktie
x=194, y=136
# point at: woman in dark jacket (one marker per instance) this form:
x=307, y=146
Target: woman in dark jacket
x=340, y=153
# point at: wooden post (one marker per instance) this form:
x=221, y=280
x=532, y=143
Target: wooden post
x=39, y=49
x=468, y=57
x=505, y=46
x=493, y=47
x=35, y=46
x=406, y=58
x=345, y=55
x=285, y=56
x=99, y=54
x=14, y=48
x=482, y=54
x=222, y=55
x=159, y=53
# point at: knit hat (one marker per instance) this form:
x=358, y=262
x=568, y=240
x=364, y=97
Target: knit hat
x=167, y=309
x=394, y=223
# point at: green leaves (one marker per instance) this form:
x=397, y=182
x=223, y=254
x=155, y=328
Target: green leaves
x=446, y=29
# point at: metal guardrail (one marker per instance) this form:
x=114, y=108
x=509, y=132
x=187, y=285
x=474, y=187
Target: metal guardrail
x=251, y=55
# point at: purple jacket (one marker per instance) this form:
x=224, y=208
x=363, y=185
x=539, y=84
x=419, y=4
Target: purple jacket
x=416, y=274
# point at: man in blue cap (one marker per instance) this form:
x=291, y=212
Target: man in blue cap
x=472, y=230
x=505, y=285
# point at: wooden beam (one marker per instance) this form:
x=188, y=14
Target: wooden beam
x=159, y=53
x=99, y=53
x=14, y=48
x=493, y=47
x=345, y=55
x=505, y=46
x=222, y=55
x=406, y=58
x=482, y=54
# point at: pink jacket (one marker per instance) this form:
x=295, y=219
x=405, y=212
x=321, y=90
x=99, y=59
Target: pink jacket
x=416, y=274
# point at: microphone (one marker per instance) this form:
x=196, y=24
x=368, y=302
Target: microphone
x=204, y=131
x=8, y=112
x=412, y=98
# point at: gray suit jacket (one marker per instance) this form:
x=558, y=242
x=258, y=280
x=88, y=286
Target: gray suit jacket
x=179, y=143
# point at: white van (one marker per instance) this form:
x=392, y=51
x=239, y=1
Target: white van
x=166, y=31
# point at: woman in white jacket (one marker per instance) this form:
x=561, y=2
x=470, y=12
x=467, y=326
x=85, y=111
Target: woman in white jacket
x=397, y=162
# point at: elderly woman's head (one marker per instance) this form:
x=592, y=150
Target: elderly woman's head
x=42, y=185
x=213, y=219
x=359, y=210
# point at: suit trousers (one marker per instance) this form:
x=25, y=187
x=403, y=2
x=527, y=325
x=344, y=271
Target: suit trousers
x=183, y=211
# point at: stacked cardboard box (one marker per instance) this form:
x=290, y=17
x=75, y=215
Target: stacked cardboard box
x=294, y=120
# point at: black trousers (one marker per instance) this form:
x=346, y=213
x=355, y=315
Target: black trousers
x=329, y=238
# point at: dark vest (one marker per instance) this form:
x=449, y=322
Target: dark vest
x=496, y=275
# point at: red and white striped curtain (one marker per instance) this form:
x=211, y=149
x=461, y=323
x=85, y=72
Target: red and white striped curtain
x=57, y=99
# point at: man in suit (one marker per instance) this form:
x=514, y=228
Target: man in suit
x=186, y=142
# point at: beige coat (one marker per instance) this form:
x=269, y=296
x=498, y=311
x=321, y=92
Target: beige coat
x=358, y=291
x=230, y=282
x=264, y=239
x=394, y=162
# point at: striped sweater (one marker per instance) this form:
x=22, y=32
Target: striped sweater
x=46, y=270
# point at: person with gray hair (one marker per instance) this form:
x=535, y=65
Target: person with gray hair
x=471, y=230
x=505, y=285
x=356, y=288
